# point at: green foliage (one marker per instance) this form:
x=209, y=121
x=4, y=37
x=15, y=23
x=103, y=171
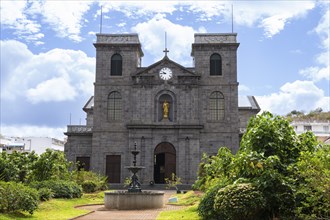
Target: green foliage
x=312, y=176
x=51, y=165
x=59, y=209
x=45, y=194
x=206, y=206
x=239, y=201
x=25, y=167
x=308, y=141
x=291, y=172
x=16, y=166
x=313, y=115
x=60, y=188
x=271, y=135
x=82, y=176
x=214, y=169
x=173, y=182
x=89, y=186
x=16, y=197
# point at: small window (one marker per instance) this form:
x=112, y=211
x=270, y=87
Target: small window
x=216, y=106
x=215, y=65
x=307, y=128
x=116, y=65
x=114, y=106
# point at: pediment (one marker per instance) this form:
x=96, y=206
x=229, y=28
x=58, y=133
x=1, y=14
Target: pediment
x=177, y=69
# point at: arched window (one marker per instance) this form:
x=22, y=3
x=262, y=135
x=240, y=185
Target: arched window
x=116, y=65
x=215, y=65
x=114, y=106
x=217, y=106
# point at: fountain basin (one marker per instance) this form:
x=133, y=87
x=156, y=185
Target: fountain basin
x=124, y=200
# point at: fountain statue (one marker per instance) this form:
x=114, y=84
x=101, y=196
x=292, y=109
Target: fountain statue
x=135, y=185
x=134, y=197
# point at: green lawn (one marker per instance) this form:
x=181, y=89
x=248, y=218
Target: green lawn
x=190, y=200
x=58, y=209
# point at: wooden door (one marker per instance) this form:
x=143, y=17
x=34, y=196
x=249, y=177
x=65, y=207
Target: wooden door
x=113, y=163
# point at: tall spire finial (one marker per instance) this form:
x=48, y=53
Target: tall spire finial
x=101, y=21
x=232, y=18
x=166, y=50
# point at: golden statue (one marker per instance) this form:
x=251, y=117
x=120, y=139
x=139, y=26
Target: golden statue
x=166, y=107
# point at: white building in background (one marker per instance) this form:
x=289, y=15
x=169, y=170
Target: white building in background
x=321, y=129
x=29, y=144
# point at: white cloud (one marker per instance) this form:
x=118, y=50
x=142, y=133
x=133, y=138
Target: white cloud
x=135, y=9
x=14, y=16
x=179, y=39
x=321, y=71
x=272, y=16
x=299, y=95
x=51, y=88
x=19, y=130
x=66, y=17
x=243, y=88
x=57, y=75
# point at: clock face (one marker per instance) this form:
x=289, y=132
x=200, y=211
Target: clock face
x=165, y=73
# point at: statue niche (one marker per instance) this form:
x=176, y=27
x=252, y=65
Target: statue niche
x=165, y=108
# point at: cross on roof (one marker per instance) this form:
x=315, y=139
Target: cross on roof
x=166, y=50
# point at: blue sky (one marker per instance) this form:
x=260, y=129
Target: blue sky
x=48, y=57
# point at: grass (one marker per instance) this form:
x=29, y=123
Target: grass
x=58, y=209
x=189, y=213
x=191, y=200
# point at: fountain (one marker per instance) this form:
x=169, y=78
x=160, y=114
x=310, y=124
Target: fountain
x=134, y=197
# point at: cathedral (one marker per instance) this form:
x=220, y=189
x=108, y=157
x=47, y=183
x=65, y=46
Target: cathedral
x=172, y=114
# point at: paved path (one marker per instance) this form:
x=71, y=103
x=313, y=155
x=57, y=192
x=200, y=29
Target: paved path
x=101, y=213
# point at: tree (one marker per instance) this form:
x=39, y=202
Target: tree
x=269, y=159
x=51, y=165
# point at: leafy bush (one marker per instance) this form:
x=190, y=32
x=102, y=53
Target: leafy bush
x=89, y=186
x=50, y=165
x=312, y=173
x=16, y=196
x=206, y=206
x=45, y=194
x=82, y=176
x=17, y=166
x=239, y=201
x=214, y=169
x=291, y=172
x=60, y=188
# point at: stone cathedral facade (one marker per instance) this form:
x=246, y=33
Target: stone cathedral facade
x=173, y=114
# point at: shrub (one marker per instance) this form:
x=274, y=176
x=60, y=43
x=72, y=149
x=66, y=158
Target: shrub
x=60, y=188
x=51, y=164
x=16, y=196
x=206, y=206
x=82, y=176
x=45, y=194
x=89, y=186
x=239, y=201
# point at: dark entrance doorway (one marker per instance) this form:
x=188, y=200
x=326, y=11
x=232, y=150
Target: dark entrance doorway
x=112, y=169
x=83, y=163
x=164, y=162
